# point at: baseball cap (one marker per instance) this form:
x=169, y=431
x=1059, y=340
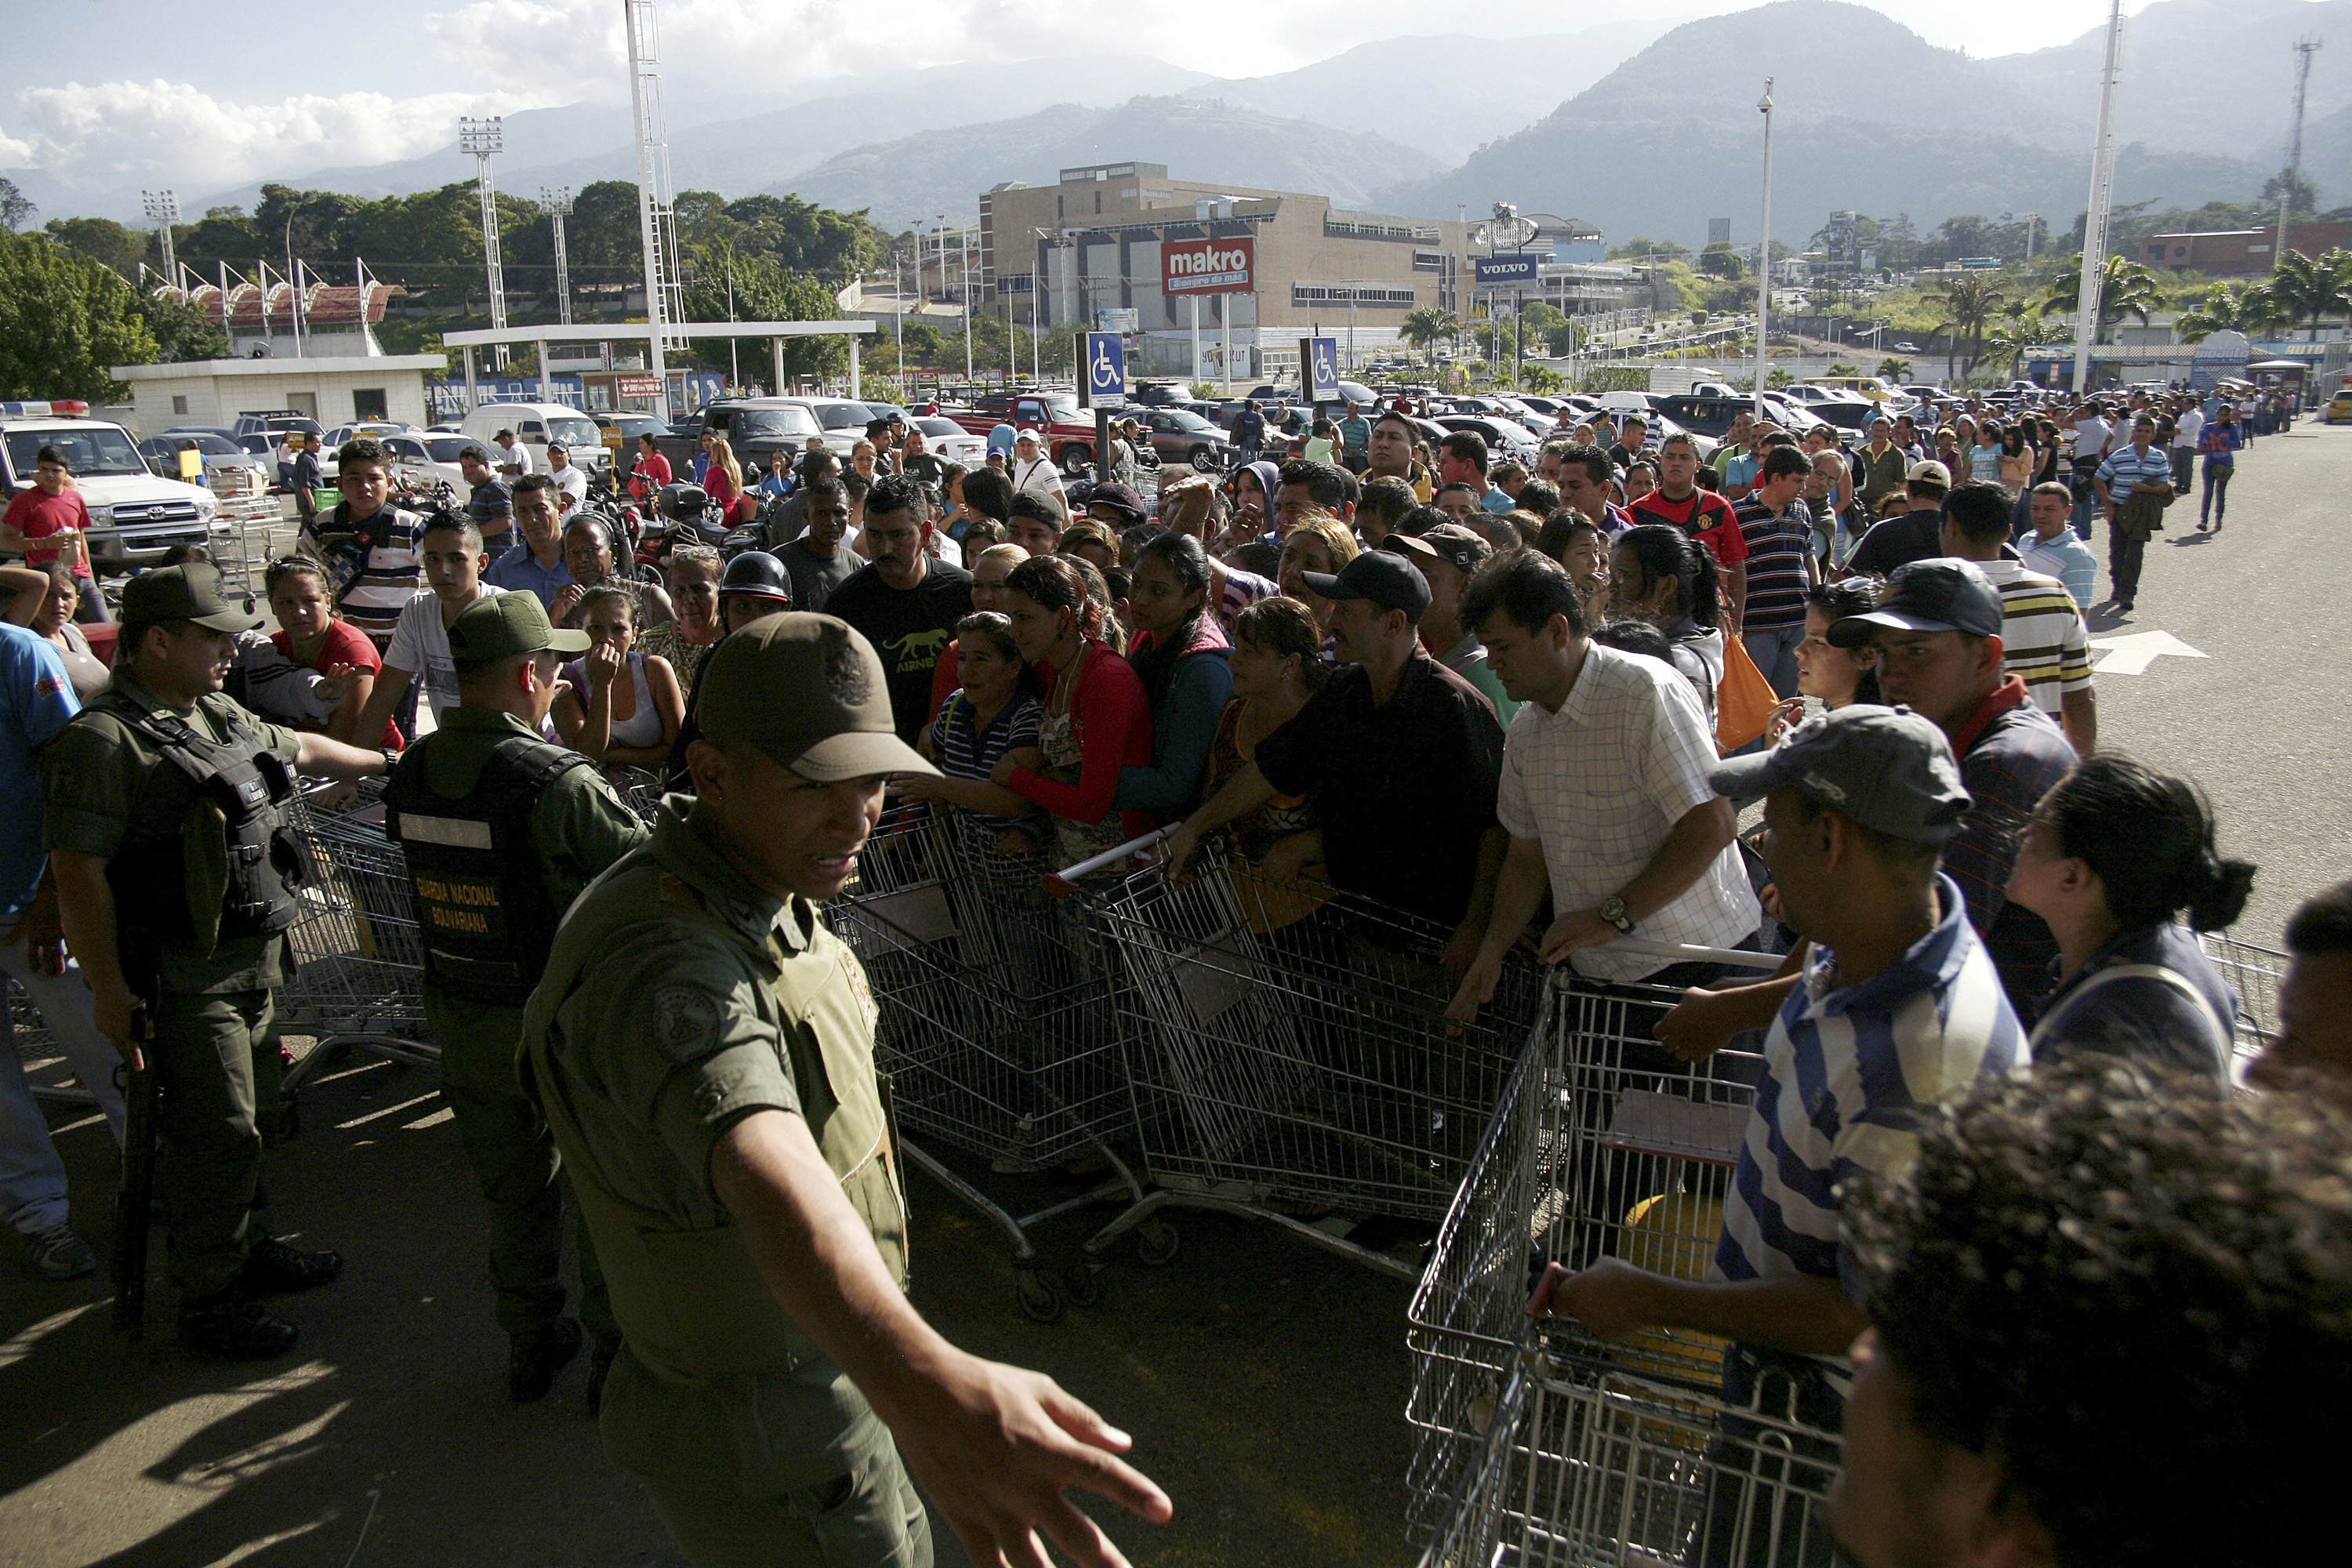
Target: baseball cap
x=187, y=593
x=1120, y=497
x=1457, y=546
x=809, y=690
x=1941, y=594
x=1930, y=472
x=1889, y=768
x=498, y=624
x=1026, y=432
x=1388, y=581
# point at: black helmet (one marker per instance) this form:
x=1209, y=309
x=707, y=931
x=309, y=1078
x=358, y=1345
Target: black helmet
x=756, y=574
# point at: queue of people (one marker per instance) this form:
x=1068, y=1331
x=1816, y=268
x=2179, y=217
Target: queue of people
x=1511, y=728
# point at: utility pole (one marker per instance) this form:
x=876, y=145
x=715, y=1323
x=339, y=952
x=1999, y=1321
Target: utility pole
x=2303, y=49
x=557, y=204
x=485, y=139
x=163, y=208
x=1763, y=259
x=2095, y=216
x=657, y=222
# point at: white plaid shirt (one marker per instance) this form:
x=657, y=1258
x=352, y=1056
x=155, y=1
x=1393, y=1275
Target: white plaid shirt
x=1602, y=783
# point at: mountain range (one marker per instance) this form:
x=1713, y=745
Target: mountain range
x=1628, y=125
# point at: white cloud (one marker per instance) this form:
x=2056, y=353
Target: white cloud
x=116, y=131
x=575, y=44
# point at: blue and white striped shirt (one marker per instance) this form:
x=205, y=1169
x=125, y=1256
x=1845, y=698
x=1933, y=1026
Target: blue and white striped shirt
x=1849, y=1076
x=2127, y=468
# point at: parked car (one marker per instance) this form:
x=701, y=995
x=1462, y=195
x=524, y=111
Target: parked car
x=949, y=441
x=423, y=458
x=229, y=470
x=277, y=422
x=134, y=515
x=753, y=426
x=1851, y=417
x=2339, y=407
x=1505, y=439
x=1907, y=348
x=534, y=425
x=1181, y=436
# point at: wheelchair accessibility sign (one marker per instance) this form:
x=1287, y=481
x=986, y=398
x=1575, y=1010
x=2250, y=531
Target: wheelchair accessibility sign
x=1320, y=360
x=1104, y=383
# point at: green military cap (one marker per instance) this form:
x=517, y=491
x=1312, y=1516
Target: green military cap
x=809, y=690
x=185, y=593
x=499, y=625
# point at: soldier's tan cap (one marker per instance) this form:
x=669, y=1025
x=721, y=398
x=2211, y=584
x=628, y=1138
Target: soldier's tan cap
x=499, y=625
x=187, y=593
x=809, y=690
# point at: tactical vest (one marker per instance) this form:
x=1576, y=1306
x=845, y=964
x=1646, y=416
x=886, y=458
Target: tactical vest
x=483, y=915
x=231, y=841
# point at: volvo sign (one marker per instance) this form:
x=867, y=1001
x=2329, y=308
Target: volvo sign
x=1208, y=265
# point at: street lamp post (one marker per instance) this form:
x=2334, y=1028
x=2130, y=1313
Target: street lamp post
x=557, y=204
x=1764, y=257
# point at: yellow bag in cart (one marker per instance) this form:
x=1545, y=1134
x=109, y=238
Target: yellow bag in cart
x=1673, y=1233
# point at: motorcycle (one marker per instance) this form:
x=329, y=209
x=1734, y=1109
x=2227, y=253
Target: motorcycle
x=683, y=513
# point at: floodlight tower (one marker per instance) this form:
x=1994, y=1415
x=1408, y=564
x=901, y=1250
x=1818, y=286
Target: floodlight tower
x=485, y=139
x=163, y=208
x=2303, y=49
x=556, y=203
x=657, y=222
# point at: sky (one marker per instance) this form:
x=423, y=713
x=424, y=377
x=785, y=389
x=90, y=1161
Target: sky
x=113, y=95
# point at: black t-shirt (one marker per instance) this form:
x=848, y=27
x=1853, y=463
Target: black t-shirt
x=910, y=628
x=1404, y=790
x=1899, y=541
x=814, y=579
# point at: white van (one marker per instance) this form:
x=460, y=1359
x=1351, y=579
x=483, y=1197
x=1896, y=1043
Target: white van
x=535, y=424
x=134, y=516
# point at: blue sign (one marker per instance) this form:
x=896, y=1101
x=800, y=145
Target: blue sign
x=1104, y=385
x=1319, y=369
x=1519, y=268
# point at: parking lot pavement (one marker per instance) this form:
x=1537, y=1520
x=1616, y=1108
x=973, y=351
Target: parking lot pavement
x=1263, y=1382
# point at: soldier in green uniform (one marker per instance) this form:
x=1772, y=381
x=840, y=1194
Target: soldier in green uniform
x=175, y=879
x=501, y=829
x=703, y=1047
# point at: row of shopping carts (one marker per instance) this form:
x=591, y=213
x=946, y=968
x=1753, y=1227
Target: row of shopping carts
x=1210, y=1041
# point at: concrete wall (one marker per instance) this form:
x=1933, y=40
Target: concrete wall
x=212, y=399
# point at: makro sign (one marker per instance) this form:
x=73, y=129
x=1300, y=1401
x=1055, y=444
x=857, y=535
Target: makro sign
x=1207, y=265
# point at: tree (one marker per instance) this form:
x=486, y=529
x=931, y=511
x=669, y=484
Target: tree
x=1425, y=326
x=1719, y=261
x=181, y=331
x=763, y=291
x=16, y=210
x=1968, y=304
x=2307, y=290
x=103, y=240
x=2304, y=202
x=2005, y=345
x=1894, y=369
x=1644, y=248
x=64, y=320
x=2250, y=310
x=2127, y=288
x=1540, y=378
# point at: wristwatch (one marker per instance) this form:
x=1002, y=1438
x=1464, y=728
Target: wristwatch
x=1613, y=909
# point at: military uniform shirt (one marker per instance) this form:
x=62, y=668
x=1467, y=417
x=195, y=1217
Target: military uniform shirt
x=105, y=785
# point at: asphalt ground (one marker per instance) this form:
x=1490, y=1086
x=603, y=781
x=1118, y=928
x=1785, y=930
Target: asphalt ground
x=1263, y=1380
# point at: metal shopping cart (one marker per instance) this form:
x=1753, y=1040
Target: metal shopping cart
x=997, y=1026
x=358, y=961
x=1601, y=1144
x=1583, y=1463
x=2253, y=973
x=1289, y=1052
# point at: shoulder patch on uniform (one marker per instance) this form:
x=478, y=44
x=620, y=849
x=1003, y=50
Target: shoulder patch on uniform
x=686, y=1018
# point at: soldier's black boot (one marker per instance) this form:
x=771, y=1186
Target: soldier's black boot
x=533, y=1360
x=234, y=1326
x=273, y=1267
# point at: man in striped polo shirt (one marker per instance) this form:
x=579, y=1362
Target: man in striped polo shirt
x=1777, y=528
x=369, y=546
x=2042, y=640
x=1893, y=1009
x=2138, y=470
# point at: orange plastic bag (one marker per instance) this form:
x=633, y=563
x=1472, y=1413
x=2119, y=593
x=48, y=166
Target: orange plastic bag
x=1744, y=699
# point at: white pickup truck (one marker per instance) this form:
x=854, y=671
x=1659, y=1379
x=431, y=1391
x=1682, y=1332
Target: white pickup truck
x=134, y=516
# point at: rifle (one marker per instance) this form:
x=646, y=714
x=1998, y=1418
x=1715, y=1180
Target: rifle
x=135, y=1196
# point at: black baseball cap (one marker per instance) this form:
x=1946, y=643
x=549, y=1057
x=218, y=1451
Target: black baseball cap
x=1388, y=581
x=1941, y=594
x=1889, y=768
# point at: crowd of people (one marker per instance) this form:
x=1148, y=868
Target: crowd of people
x=1524, y=710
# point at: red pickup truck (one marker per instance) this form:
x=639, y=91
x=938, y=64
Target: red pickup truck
x=1069, y=430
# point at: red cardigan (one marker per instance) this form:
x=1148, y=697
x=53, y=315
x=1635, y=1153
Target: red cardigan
x=1113, y=719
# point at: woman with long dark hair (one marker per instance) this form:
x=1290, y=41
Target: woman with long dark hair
x=1660, y=574
x=1097, y=720
x=1181, y=656
x=2111, y=859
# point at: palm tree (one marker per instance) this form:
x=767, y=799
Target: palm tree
x=2006, y=344
x=2307, y=290
x=2251, y=309
x=2127, y=288
x=1540, y=378
x=1424, y=326
x=1969, y=302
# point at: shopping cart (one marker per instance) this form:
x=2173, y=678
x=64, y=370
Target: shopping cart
x=2253, y=973
x=1289, y=1053
x=1600, y=1145
x=1583, y=1463
x=358, y=961
x=997, y=1026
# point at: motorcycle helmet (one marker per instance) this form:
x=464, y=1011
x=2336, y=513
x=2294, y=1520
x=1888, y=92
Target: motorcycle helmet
x=756, y=574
